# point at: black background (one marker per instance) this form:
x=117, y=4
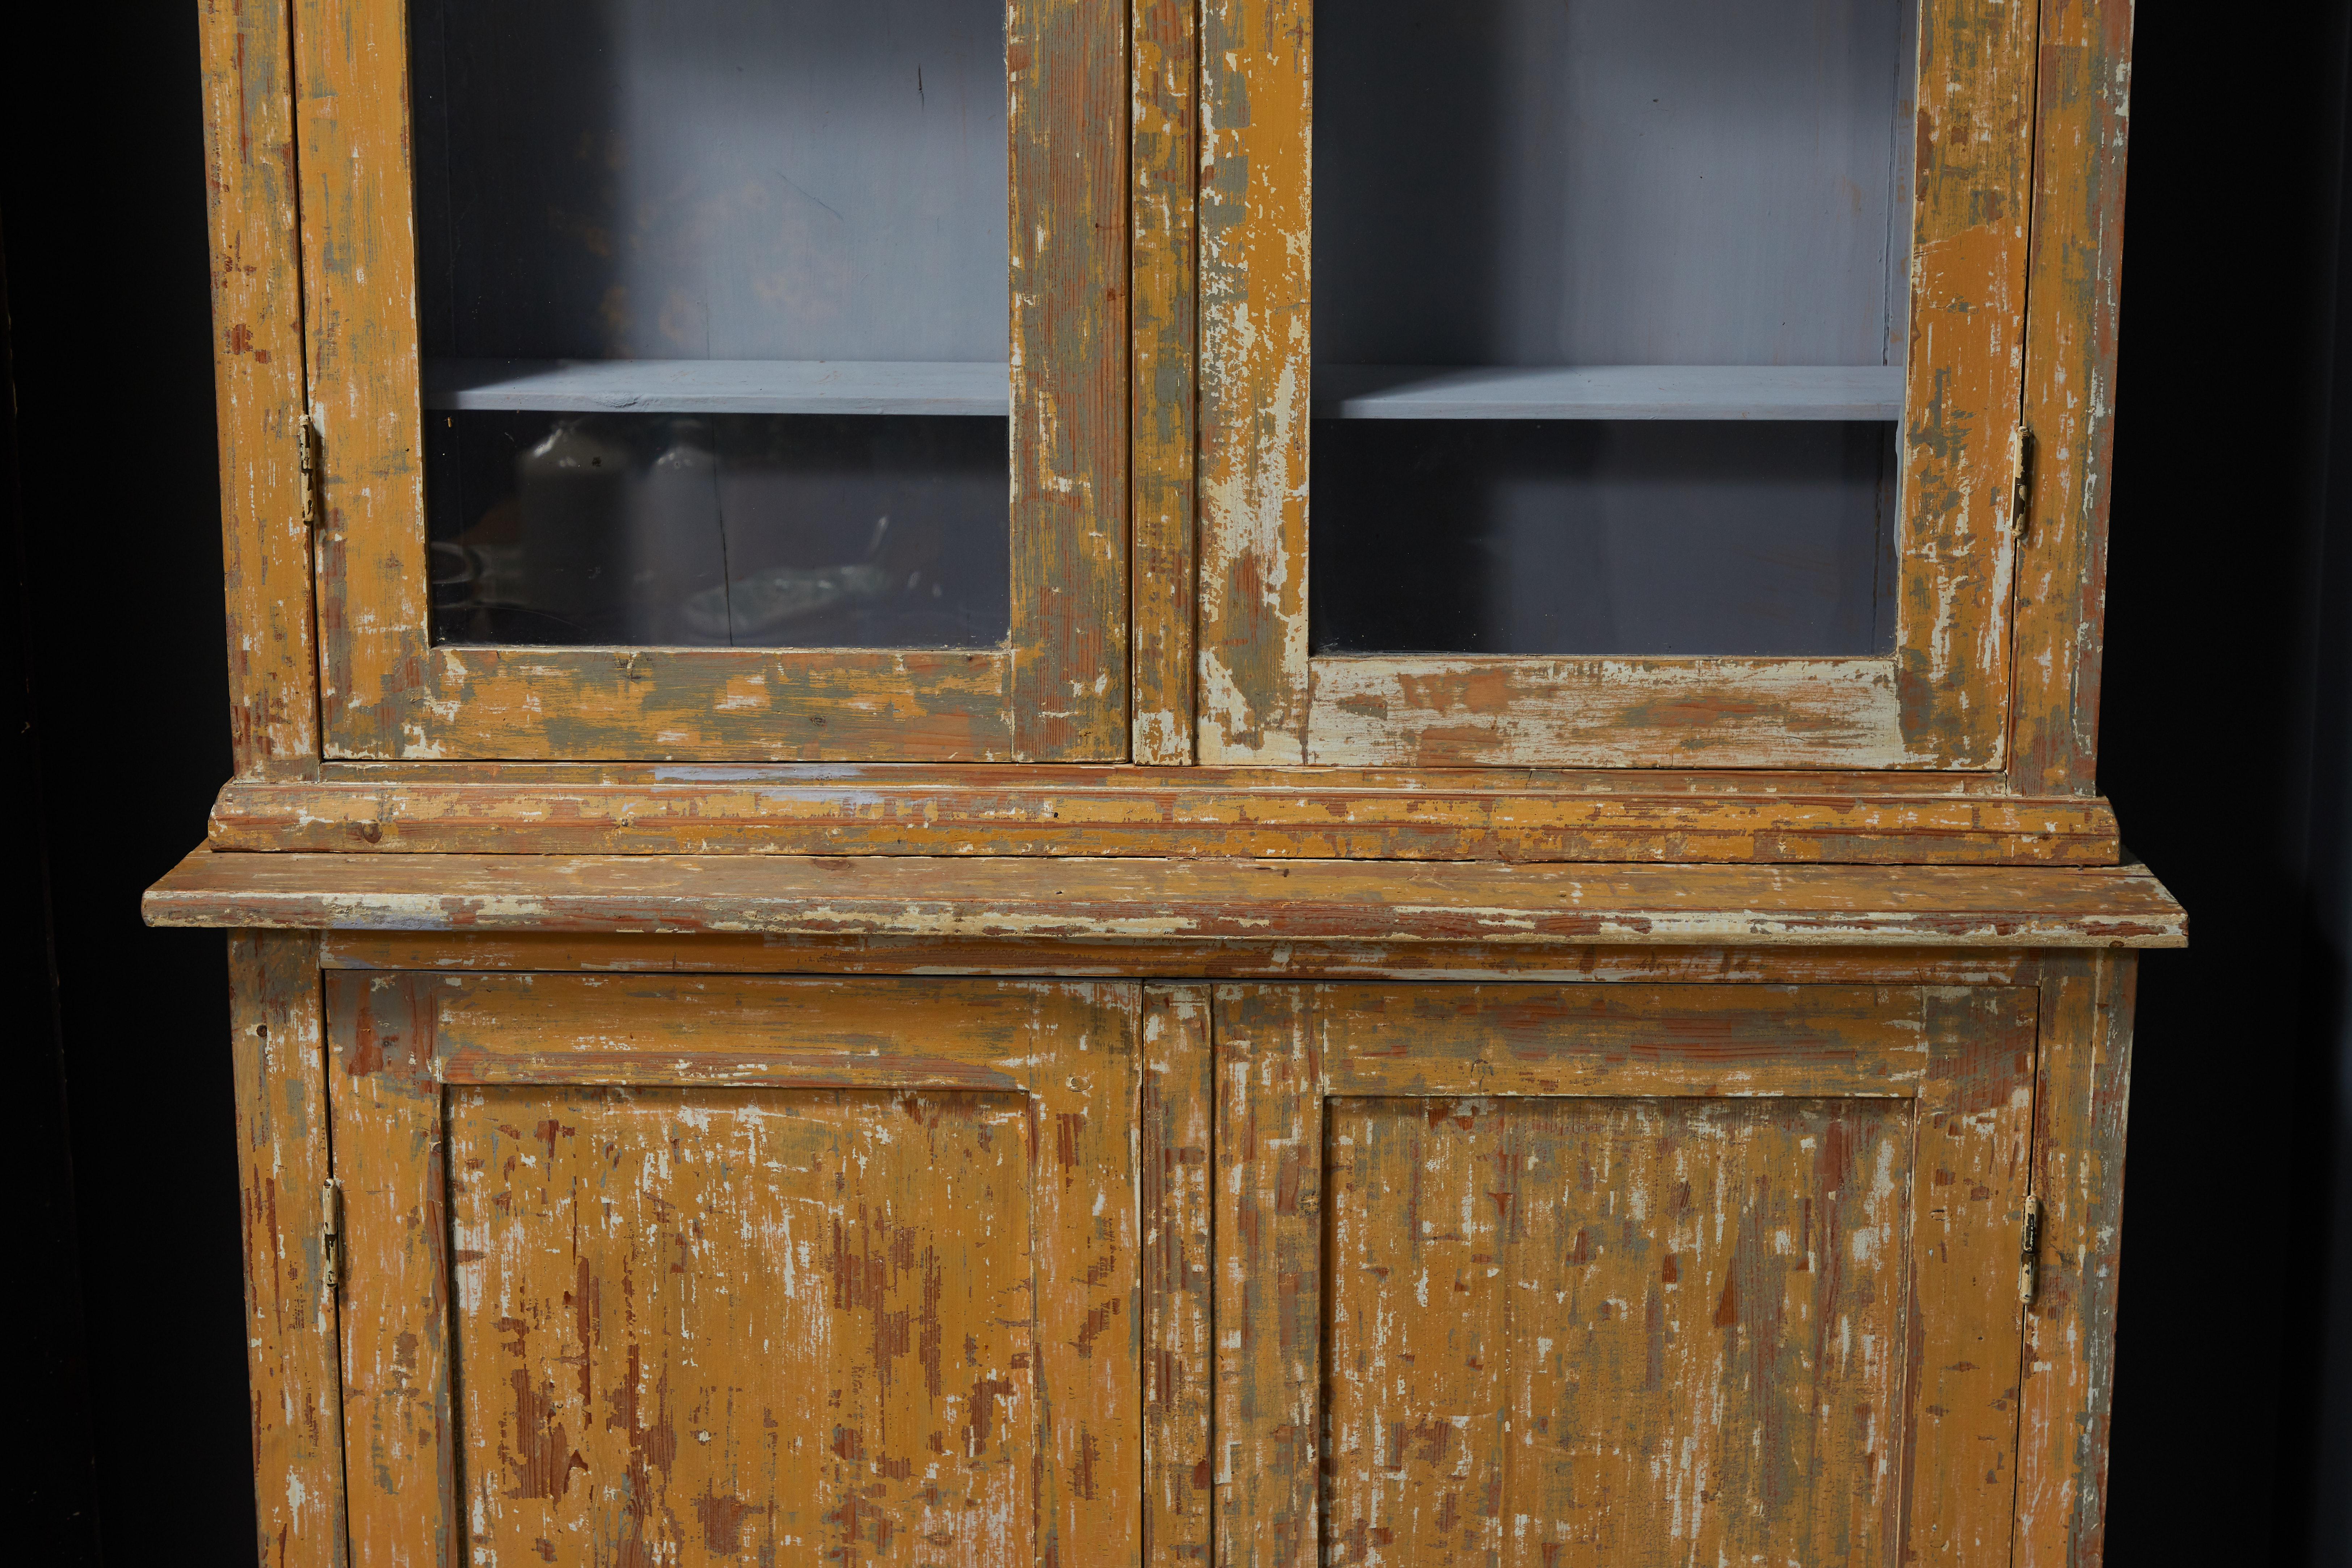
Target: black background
x=2228, y=708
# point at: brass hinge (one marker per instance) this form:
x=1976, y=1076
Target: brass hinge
x=2020, y=495
x=331, y=1235
x=308, y=459
x=2029, y=1255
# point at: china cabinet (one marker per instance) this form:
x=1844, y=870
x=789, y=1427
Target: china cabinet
x=1194, y=782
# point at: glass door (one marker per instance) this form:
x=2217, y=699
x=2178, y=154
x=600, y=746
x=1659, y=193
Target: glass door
x=720, y=379
x=1630, y=383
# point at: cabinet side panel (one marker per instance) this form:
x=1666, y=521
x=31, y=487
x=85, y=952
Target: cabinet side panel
x=1269, y=1280
x=1973, y=203
x=278, y=1044
x=1161, y=185
x=2069, y=1336
x=2084, y=91
x=258, y=359
x=1255, y=144
x=1067, y=62
x=1969, y=1178
x=400, y=1451
x=1176, y=1113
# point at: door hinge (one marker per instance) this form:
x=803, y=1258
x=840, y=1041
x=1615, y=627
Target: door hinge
x=308, y=460
x=2029, y=1255
x=331, y=1235
x=2021, y=494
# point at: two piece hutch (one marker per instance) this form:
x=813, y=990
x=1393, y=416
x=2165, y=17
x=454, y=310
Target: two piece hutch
x=1046, y=782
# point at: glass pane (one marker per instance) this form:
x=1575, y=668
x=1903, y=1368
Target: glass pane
x=1609, y=325
x=739, y=531
x=715, y=318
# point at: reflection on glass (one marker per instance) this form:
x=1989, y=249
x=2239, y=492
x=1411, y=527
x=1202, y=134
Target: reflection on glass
x=738, y=531
x=653, y=185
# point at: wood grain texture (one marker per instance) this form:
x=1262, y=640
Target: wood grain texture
x=2081, y=1106
x=1831, y=1377
x=1447, y=710
x=1972, y=197
x=1256, y=144
x=2084, y=101
x=720, y=1326
x=400, y=1446
x=1199, y=813
x=890, y=1312
x=1269, y=1268
x=1057, y=691
x=1245, y=901
x=1162, y=165
x=1971, y=1173
x=1634, y=1331
x=1066, y=65
x=1176, y=1117
x=278, y=1044
x=765, y=704
x=257, y=375
x=490, y=951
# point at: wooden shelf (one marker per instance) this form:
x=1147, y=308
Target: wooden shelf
x=1609, y=392
x=718, y=386
x=1039, y=898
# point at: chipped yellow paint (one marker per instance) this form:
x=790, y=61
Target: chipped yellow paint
x=876, y=1310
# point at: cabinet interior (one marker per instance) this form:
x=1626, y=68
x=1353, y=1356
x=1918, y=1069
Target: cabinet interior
x=715, y=323
x=1625, y=284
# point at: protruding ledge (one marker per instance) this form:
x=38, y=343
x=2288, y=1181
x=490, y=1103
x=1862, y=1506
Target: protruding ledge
x=1243, y=902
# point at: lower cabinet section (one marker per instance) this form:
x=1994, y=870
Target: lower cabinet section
x=720, y=1269
x=737, y=1270
x=1620, y=1274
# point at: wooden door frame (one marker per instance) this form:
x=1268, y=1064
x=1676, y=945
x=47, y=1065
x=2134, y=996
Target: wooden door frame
x=1941, y=701
x=1965, y=1055
x=395, y=1042
x=1056, y=691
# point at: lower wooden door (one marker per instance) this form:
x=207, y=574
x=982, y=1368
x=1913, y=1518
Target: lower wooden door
x=736, y=1270
x=1618, y=1274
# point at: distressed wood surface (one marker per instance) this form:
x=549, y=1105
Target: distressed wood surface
x=1134, y=811
x=726, y=1326
x=1163, y=167
x=1176, y=1117
x=1256, y=144
x=1171, y=901
x=765, y=704
x=2082, y=89
x=1268, y=1260
x=1057, y=691
x=1823, y=1273
x=1570, y=1333
x=2081, y=1105
x=1972, y=198
x=885, y=1314
x=277, y=1053
x=258, y=377
x=400, y=1446
x=1943, y=700
x=1066, y=65
x=490, y=951
x=1454, y=710
x=1971, y=1176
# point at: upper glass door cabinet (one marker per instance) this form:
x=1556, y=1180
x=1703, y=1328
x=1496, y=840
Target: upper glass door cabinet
x=726, y=379
x=1630, y=382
